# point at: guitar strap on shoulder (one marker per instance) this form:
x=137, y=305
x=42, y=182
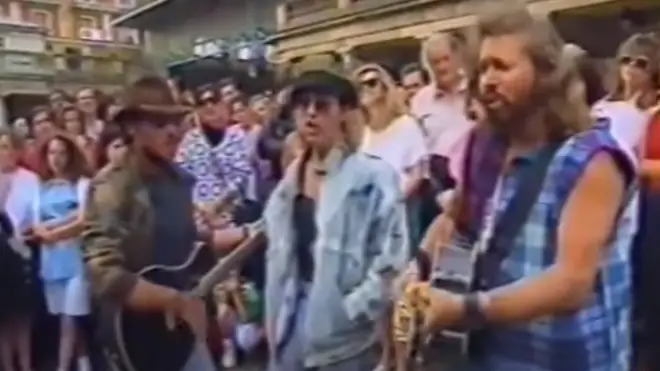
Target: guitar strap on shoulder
x=507, y=226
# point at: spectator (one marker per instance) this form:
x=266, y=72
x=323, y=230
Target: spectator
x=413, y=78
x=20, y=301
x=215, y=153
x=229, y=90
x=21, y=127
x=112, y=147
x=635, y=91
x=72, y=120
x=90, y=103
x=42, y=122
x=58, y=222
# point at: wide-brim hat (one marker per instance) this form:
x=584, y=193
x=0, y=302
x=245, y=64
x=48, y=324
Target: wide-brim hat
x=323, y=82
x=149, y=97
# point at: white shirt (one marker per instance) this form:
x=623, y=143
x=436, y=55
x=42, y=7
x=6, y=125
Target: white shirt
x=24, y=190
x=628, y=124
x=447, y=127
x=401, y=144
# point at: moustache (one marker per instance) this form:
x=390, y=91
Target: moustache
x=490, y=95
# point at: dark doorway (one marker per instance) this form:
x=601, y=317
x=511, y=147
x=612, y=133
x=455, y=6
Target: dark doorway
x=20, y=105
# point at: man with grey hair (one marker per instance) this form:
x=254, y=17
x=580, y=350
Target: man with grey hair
x=440, y=106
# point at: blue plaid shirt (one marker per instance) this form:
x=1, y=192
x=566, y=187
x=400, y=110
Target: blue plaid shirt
x=597, y=337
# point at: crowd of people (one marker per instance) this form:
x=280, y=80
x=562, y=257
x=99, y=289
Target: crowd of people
x=356, y=177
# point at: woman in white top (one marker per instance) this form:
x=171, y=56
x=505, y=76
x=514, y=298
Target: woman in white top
x=391, y=133
x=396, y=137
x=636, y=90
x=19, y=303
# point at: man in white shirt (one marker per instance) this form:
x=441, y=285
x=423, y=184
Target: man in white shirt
x=440, y=106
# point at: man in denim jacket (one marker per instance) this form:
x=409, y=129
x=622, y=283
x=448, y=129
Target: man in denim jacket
x=337, y=238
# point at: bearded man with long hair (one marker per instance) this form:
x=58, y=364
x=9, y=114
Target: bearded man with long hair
x=559, y=297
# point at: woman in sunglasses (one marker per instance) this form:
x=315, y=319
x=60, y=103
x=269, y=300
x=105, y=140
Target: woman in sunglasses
x=639, y=59
x=397, y=138
x=337, y=237
x=391, y=133
x=215, y=152
x=636, y=90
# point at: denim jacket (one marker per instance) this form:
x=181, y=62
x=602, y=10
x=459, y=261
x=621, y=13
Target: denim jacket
x=361, y=246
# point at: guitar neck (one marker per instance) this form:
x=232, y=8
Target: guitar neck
x=230, y=262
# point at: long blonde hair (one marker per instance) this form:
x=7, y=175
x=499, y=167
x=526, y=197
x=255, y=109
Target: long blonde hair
x=639, y=45
x=394, y=104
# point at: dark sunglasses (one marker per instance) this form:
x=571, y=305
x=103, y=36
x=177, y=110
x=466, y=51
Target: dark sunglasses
x=207, y=97
x=641, y=63
x=370, y=83
x=320, y=103
x=162, y=123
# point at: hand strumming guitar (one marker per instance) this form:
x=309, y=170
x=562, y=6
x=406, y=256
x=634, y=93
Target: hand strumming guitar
x=441, y=309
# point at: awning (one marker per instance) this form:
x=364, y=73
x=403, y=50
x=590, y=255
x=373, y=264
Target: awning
x=614, y=8
x=142, y=16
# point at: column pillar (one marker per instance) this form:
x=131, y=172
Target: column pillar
x=107, y=27
x=281, y=15
x=67, y=23
x=16, y=11
x=4, y=117
x=348, y=61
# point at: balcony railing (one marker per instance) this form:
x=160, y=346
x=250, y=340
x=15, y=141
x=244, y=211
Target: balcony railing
x=299, y=8
x=111, y=6
x=298, y=12
x=26, y=65
x=80, y=69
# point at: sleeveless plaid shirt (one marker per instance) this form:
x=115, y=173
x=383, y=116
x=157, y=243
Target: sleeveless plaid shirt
x=597, y=337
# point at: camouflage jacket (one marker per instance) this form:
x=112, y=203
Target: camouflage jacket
x=117, y=236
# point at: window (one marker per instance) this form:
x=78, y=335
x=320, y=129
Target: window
x=43, y=18
x=73, y=59
x=88, y=22
x=127, y=36
x=126, y=4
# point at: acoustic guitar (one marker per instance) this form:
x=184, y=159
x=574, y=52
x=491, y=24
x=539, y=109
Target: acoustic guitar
x=139, y=336
x=132, y=339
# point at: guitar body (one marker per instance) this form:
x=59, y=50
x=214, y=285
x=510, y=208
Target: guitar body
x=144, y=341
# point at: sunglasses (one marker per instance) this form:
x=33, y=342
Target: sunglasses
x=320, y=103
x=638, y=62
x=370, y=83
x=208, y=100
x=162, y=123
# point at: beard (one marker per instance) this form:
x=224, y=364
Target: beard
x=507, y=119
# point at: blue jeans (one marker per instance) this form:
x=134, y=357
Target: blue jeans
x=292, y=356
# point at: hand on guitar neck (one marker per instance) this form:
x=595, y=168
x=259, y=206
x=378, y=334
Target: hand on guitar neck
x=150, y=297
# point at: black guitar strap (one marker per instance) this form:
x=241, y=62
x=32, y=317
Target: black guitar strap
x=513, y=218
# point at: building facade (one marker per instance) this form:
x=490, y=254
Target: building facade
x=71, y=43
x=346, y=33
x=197, y=39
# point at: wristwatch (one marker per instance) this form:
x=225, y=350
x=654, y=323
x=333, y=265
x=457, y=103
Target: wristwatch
x=475, y=304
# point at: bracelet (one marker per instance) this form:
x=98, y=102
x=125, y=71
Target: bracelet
x=474, y=304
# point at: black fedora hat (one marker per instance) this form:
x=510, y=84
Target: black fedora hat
x=323, y=82
x=149, y=97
